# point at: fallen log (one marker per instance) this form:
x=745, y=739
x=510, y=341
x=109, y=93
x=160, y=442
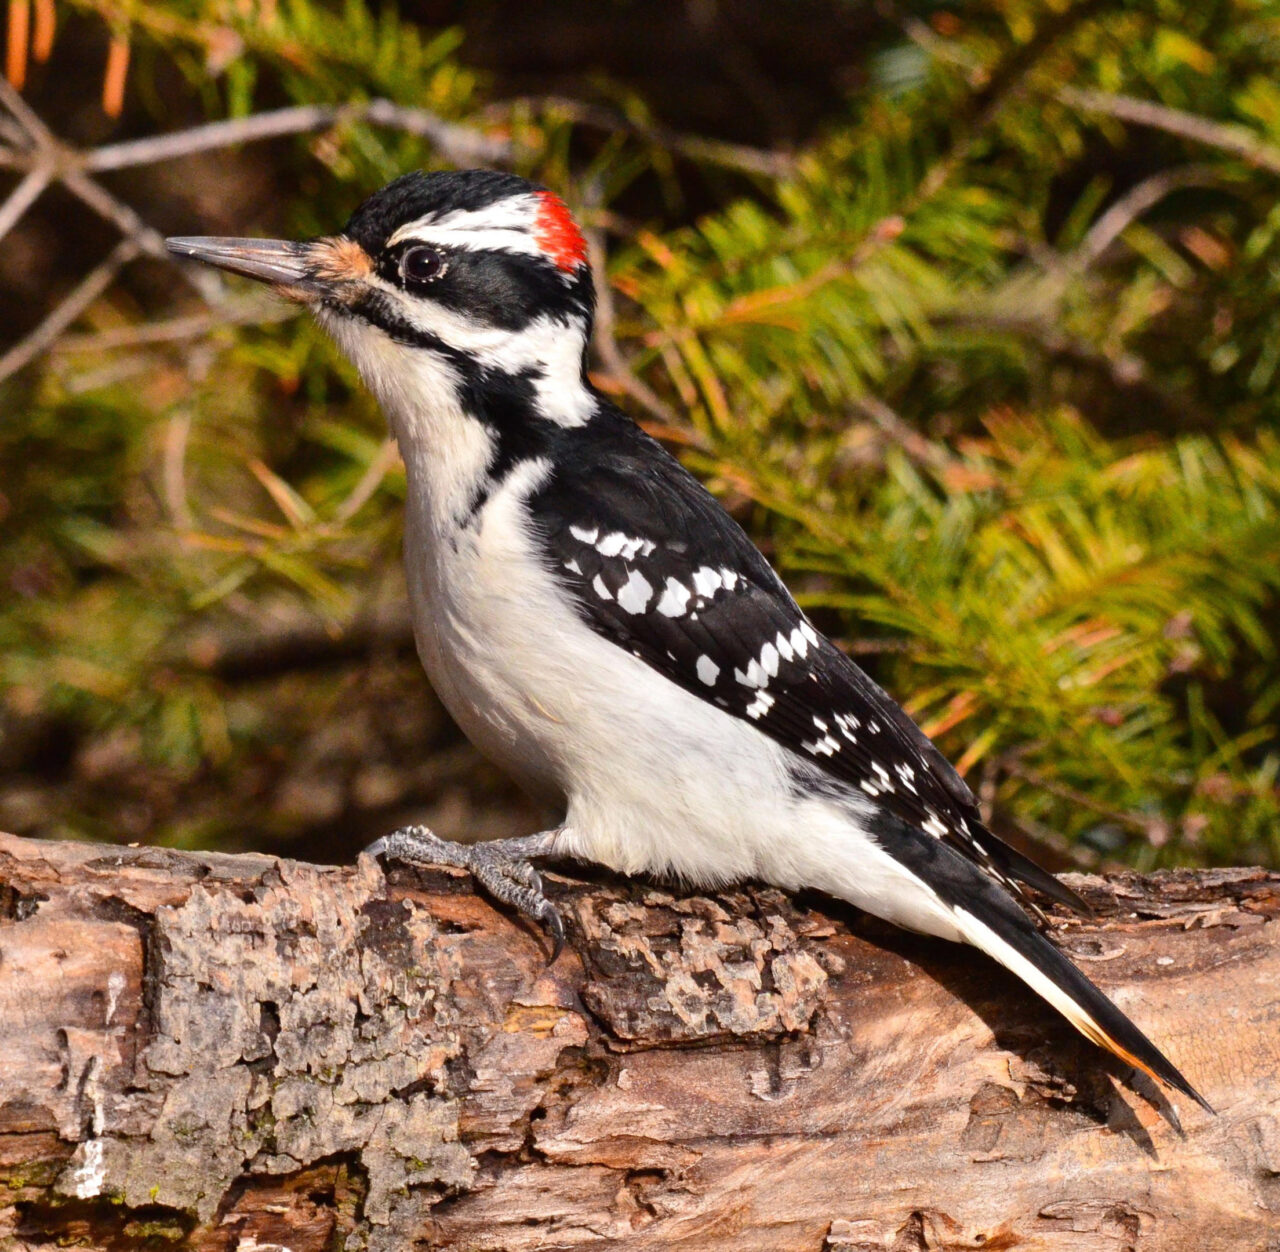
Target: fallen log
x=251, y=1054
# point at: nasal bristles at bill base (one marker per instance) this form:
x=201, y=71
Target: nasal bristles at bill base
x=339, y=259
x=558, y=234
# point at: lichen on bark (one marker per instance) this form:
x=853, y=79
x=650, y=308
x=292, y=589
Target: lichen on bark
x=250, y=1053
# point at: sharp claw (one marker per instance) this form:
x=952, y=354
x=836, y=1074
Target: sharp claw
x=505, y=875
x=551, y=916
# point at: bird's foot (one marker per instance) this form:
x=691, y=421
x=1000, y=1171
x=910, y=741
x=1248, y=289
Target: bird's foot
x=501, y=866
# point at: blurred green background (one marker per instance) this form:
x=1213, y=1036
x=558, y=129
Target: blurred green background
x=967, y=311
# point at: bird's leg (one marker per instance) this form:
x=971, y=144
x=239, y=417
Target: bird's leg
x=501, y=866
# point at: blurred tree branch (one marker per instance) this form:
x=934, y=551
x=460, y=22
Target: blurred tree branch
x=45, y=160
x=1238, y=140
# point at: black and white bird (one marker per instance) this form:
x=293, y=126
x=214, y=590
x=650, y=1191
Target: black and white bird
x=601, y=628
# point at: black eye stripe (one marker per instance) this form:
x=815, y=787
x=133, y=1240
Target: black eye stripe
x=490, y=286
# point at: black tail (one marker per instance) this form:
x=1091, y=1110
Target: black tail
x=990, y=919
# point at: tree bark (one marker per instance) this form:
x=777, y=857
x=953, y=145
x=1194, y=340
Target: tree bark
x=250, y=1054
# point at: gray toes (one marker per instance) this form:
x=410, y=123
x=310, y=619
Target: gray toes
x=518, y=884
x=504, y=871
x=413, y=843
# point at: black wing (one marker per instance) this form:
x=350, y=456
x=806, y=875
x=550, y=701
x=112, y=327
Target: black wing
x=658, y=567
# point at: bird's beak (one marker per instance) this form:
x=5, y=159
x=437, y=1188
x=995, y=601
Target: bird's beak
x=286, y=265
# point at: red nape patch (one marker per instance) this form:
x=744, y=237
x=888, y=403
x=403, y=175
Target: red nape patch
x=557, y=233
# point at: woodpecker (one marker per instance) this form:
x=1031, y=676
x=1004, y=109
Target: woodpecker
x=600, y=627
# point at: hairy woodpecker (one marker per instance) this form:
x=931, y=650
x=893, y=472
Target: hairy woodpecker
x=600, y=627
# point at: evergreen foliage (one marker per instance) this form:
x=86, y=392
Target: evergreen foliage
x=991, y=369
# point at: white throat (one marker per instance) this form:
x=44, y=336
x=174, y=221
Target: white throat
x=447, y=451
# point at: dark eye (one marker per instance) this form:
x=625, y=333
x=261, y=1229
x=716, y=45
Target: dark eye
x=421, y=265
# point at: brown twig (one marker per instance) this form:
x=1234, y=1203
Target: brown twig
x=24, y=195
x=206, y=282
x=734, y=156
x=246, y=312
x=901, y=433
x=23, y=113
x=1006, y=80
x=1012, y=765
x=455, y=141
x=606, y=344
x=81, y=297
x=36, y=150
x=1235, y=139
x=48, y=155
x=1133, y=204
x=1126, y=373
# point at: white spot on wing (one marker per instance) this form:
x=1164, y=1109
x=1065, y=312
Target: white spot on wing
x=597, y=585
x=706, y=581
x=611, y=544
x=760, y=705
x=675, y=599
x=585, y=534
x=934, y=826
x=769, y=659
x=708, y=670
x=635, y=593
x=826, y=746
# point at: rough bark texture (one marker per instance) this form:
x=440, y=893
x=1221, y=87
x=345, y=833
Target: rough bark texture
x=248, y=1054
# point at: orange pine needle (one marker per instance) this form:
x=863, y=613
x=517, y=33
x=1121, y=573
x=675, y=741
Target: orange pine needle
x=15, y=64
x=45, y=25
x=114, y=79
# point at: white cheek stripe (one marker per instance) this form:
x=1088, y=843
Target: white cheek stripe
x=547, y=345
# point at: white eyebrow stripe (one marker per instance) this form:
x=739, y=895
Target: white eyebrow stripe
x=471, y=240
x=516, y=215
x=509, y=213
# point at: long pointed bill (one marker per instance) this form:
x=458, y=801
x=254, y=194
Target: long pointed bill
x=277, y=261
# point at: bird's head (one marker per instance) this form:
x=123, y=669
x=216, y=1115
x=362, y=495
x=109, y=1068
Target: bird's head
x=443, y=285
